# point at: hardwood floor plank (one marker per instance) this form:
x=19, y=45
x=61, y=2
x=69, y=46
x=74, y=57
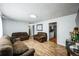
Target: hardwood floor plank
x=46, y=49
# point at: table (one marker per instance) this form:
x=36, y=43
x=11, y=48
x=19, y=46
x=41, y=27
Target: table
x=70, y=51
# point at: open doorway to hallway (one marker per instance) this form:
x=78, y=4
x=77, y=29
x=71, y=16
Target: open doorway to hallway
x=53, y=32
x=33, y=29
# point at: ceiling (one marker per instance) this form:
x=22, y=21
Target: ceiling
x=43, y=11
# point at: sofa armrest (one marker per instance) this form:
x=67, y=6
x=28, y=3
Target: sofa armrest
x=6, y=50
x=30, y=52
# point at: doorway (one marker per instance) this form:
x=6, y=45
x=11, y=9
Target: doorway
x=53, y=32
x=33, y=29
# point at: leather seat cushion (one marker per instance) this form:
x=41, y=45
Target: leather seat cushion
x=19, y=47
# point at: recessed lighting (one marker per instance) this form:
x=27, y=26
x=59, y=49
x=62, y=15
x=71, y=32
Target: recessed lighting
x=33, y=16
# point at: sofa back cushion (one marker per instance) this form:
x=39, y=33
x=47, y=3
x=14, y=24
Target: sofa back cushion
x=5, y=47
x=42, y=34
x=18, y=34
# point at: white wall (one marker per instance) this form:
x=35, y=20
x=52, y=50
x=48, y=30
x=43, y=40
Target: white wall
x=77, y=19
x=65, y=25
x=10, y=26
x=1, y=29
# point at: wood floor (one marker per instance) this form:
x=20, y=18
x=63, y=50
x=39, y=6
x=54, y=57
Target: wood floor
x=46, y=49
x=53, y=40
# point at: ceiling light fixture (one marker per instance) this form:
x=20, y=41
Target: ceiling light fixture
x=33, y=16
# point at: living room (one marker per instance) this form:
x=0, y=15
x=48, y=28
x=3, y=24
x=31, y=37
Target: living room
x=29, y=24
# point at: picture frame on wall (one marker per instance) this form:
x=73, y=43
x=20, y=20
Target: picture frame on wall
x=39, y=27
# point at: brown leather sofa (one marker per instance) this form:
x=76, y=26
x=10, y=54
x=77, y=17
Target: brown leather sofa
x=19, y=48
x=41, y=37
x=19, y=36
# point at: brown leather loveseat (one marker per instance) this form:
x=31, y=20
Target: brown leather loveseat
x=19, y=36
x=41, y=37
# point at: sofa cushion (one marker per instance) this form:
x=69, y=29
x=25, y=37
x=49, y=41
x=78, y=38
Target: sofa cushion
x=5, y=46
x=7, y=37
x=6, y=50
x=30, y=52
x=15, y=39
x=5, y=41
x=19, y=47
